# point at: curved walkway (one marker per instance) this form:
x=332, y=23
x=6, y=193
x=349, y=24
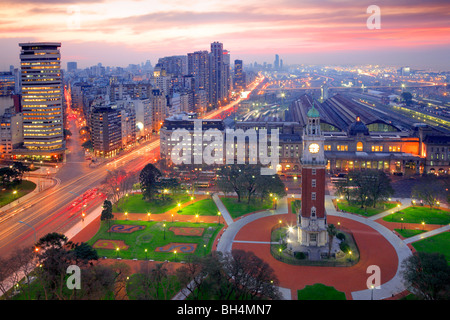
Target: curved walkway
x=251, y=232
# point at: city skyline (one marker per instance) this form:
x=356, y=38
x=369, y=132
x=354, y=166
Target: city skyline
x=119, y=33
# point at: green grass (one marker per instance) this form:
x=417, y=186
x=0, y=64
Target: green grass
x=406, y=233
x=368, y=211
x=171, y=283
x=237, y=209
x=439, y=243
x=320, y=291
x=7, y=196
x=204, y=207
x=152, y=237
x=419, y=215
x=136, y=204
x=296, y=206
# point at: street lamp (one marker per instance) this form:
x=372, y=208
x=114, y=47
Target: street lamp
x=145, y=254
x=172, y=217
x=148, y=216
x=371, y=287
x=196, y=218
x=219, y=214
x=401, y=224
x=126, y=215
x=175, y=255
x=423, y=225
x=117, y=253
x=164, y=225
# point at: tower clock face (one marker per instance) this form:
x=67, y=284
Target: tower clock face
x=313, y=148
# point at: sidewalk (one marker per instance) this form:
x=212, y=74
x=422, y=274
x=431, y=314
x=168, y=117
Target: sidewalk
x=48, y=183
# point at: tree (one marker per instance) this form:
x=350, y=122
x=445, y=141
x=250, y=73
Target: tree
x=9, y=176
x=230, y=180
x=332, y=231
x=427, y=275
x=407, y=97
x=428, y=189
x=148, y=179
x=250, y=276
x=88, y=145
x=21, y=169
x=378, y=186
x=107, y=214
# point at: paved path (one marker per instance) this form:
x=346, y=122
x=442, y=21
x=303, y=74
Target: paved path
x=427, y=234
x=223, y=210
x=393, y=286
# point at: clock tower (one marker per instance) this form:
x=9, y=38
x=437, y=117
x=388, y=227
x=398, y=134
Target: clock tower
x=312, y=218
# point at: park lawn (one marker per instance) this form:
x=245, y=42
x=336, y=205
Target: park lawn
x=136, y=204
x=296, y=206
x=407, y=233
x=7, y=196
x=419, y=215
x=204, y=207
x=237, y=209
x=368, y=211
x=171, y=283
x=154, y=236
x=439, y=243
x=320, y=291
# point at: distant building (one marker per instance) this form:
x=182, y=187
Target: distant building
x=71, y=66
x=11, y=132
x=106, y=131
x=128, y=123
x=199, y=70
x=276, y=63
x=7, y=83
x=239, y=76
x=159, y=109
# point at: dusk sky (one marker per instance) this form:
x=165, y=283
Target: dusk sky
x=118, y=33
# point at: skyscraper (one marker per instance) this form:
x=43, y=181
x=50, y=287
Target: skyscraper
x=239, y=75
x=276, y=63
x=199, y=69
x=42, y=98
x=220, y=80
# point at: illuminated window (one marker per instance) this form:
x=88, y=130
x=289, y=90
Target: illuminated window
x=327, y=147
x=359, y=146
x=343, y=147
x=377, y=148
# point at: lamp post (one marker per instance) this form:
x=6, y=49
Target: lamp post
x=126, y=215
x=196, y=218
x=117, y=253
x=371, y=294
x=175, y=255
x=164, y=225
x=219, y=214
x=145, y=254
x=401, y=224
x=148, y=216
x=423, y=225
x=172, y=217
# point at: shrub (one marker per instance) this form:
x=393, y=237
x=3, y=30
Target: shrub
x=299, y=255
x=344, y=247
x=340, y=236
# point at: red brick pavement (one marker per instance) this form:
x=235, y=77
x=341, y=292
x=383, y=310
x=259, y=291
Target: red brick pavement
x=374, y=250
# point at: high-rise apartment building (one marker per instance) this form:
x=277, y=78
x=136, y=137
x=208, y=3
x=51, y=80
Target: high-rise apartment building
x=106, y=131
x=41, y=86
x=239, y=75
x=199, y=69
x=217, y=74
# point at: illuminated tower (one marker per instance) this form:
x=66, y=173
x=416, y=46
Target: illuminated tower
x=310, y=235
x=42, y=98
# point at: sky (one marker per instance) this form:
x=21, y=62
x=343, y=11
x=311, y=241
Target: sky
x=332, y=32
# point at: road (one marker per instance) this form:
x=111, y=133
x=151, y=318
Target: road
x=51, y=211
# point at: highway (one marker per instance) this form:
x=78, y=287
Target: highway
x=53, y=210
